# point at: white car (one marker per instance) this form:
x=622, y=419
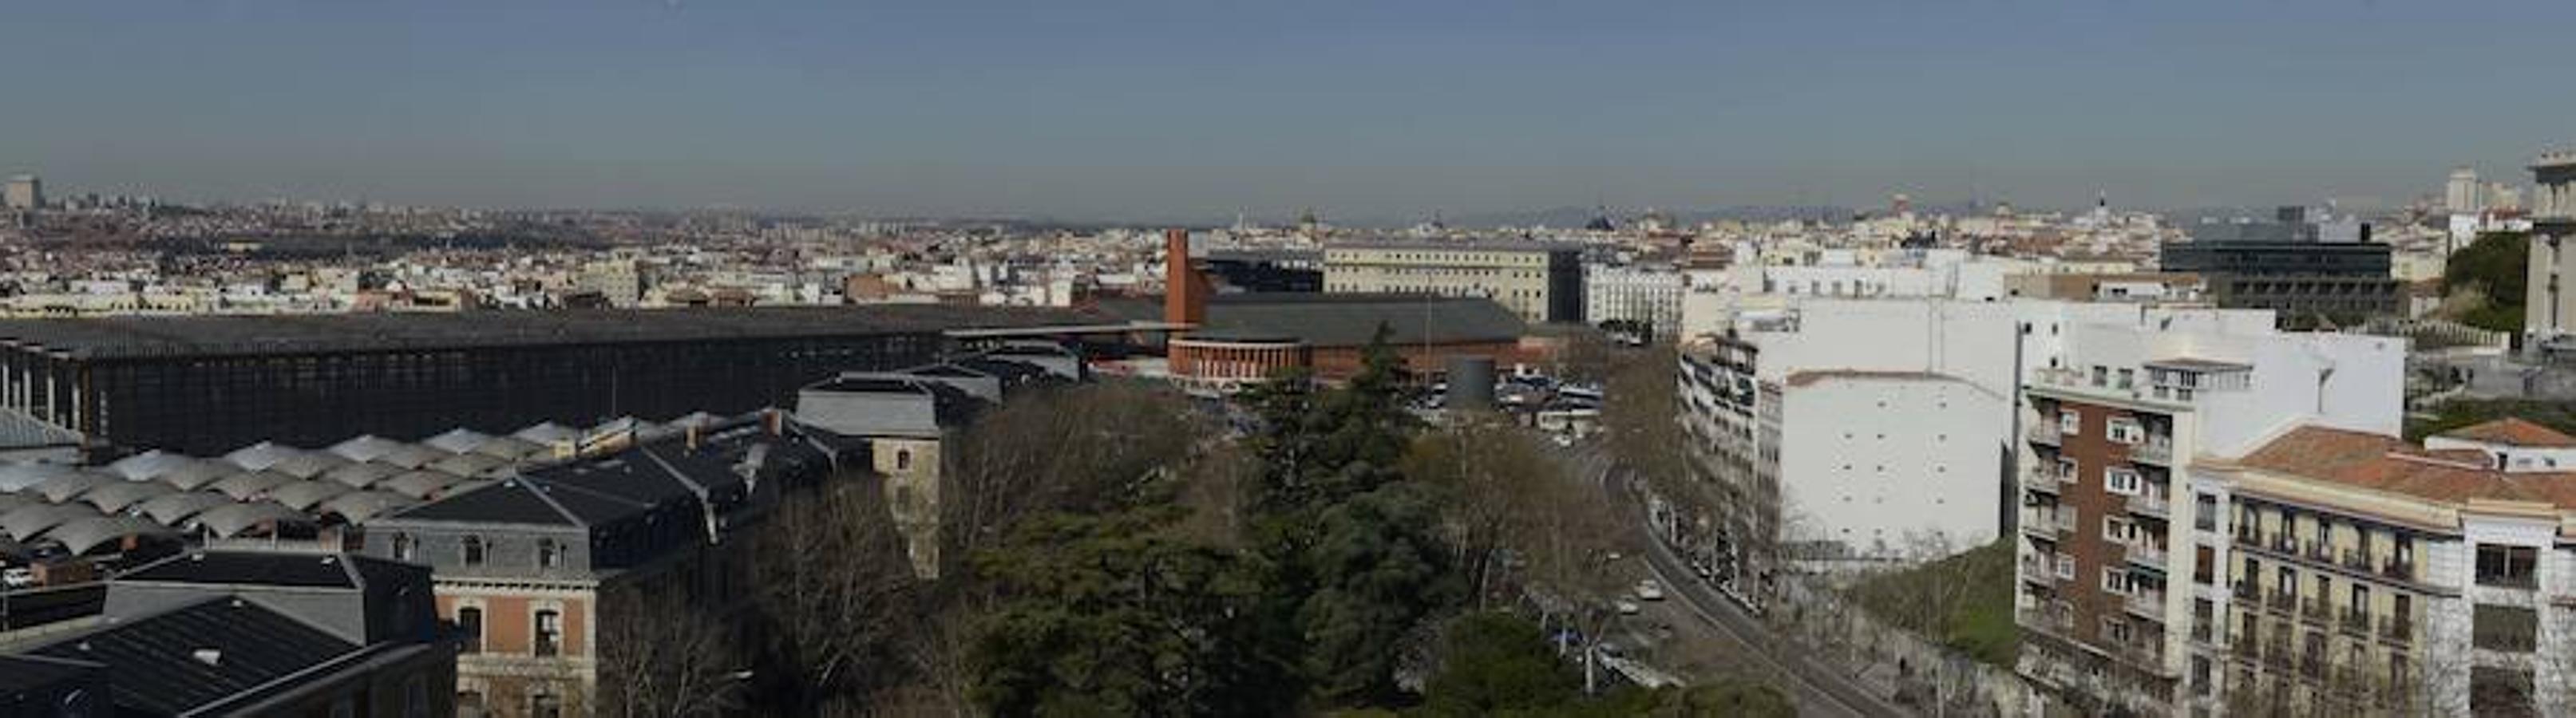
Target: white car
x=1626, y=607
x=17, y=577
x=1650, y=590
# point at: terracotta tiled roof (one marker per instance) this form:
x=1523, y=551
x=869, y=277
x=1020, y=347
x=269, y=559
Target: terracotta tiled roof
x=2386, y=463
x=2512, y=432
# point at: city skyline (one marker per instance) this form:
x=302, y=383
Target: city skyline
x=1131, y=112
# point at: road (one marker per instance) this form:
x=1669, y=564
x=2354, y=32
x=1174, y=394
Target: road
x=1710, y=618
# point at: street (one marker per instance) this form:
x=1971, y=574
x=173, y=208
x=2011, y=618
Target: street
x=1709, y=635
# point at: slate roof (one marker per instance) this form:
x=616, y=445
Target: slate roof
x=19, y=673
x=1342, y=320
x=265, y=568
x=155, y=661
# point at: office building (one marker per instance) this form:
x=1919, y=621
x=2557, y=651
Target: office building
x=1541, y=282
x=2118, y=556
x=210, y=384
x=2312, y=273
x=2549, y=306
x=2461, y=194
x=23, y=192
x=1645, y=299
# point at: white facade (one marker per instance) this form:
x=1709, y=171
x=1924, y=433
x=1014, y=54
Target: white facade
x=1648, y=295
x=2550, y=296
x=1891, y=465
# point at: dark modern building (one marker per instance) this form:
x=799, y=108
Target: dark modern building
x=1270, y=270
x=209, y=384
x=2305, y=270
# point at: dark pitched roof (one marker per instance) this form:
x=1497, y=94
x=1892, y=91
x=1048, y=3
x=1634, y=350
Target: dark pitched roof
x=157, y=665
x=507, y=502
x=271, y=568
x=1343, y=320
x=18, y=673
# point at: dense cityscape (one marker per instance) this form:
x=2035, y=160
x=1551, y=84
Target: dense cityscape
x=287, y=428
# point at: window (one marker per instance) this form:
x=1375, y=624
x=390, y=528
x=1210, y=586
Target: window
x=404, y=548
x=2501, y=692
x=2506, y=566
x=2115, y=581
x=2510, y=629
x=2070, y=423
x=2118, y=530
x=2124, y=482
x=473, y=549
x=549, y=553
x=545, y=705
x=2128, y=378
x=2065, y=567
x=469, y=629
x=903, y=459
x=2126, y=431
x=2065, y=469
x=549, y=633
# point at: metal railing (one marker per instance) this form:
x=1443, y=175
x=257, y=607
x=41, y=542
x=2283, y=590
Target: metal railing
x=2151, y=504
x=2157, y=449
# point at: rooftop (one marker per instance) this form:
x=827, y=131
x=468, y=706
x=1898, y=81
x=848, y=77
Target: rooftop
x=2386, y=463
x=2510, y=431
x=175, y=662
x=1343, y=320
x=211, y=335
x=1481, y=245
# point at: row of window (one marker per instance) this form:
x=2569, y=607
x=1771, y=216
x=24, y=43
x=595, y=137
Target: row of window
x=544, y=642
x=474, y=550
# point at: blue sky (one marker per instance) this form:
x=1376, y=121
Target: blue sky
x=1369, y=109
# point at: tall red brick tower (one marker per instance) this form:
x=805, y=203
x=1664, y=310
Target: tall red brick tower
x=1185, y=290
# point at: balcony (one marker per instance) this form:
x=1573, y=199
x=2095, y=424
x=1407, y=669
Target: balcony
x=2148, y=554
x=2045, y=433
x=2312, y=666
x=2397, y=569
x=2279, y=600
x=2317, y=550
x=2397, y=629
x=2246, y=591
x=2039, y=522
x=2354, y=559
x=2052, y=620
x=2277, y=654
x=2247, y=650
x=2157, y=449
x=2144, y=653
x=2316, y=610
x=2037, y=572
x=2201, y=633
x=2355, y=621
x=2147, y=504
x=2146, y=604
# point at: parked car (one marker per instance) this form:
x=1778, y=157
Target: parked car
x=1650, y=590
x=1626, y=607
x=17, y=577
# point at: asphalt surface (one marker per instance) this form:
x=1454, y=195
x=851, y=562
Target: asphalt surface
x=1818, y=689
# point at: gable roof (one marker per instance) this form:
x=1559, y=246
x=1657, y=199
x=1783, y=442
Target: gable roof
x=2387, y=463
x=2512, y=431
x=174, y=662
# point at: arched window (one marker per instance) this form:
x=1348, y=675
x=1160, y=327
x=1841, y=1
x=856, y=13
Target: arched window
x=903, y=459
x=473, y=550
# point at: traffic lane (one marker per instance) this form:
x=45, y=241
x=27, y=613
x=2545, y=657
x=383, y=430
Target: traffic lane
x=1839, y=691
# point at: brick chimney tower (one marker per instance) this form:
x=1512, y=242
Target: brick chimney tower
x=1185, y=290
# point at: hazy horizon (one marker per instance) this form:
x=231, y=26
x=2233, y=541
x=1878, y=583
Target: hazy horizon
x=1369, y=111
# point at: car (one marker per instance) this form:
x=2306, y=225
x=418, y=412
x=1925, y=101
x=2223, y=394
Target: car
x=17, y=577
x=1625, y=607
x=1650, y=590
x=1563, y=441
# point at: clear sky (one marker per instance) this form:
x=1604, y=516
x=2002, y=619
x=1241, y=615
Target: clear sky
x=1195, y=108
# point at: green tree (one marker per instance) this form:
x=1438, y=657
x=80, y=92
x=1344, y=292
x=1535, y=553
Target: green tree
x=1111, y=616
x=2493, y=266
x=1497, y=662
x=1731, y=698
x=1379, y=572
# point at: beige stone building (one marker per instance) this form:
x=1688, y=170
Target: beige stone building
x=1541, y=282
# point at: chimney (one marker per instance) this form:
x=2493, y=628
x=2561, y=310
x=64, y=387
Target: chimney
x=773, y=420
x=693, y=436
x=1184, y=289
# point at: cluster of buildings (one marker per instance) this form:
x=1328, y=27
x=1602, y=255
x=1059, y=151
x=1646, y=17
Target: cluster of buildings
x=2210, y=502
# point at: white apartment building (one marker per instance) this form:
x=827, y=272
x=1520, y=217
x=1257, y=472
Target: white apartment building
x=1647, y=295
x=2119, y=557
x=2367, y=576
x=1540, y=281
x=1841, y=432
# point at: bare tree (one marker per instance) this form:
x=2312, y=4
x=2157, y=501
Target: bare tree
x=1499, y=485
x=1061, y=448
x=663, y=655
x=836, y=590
